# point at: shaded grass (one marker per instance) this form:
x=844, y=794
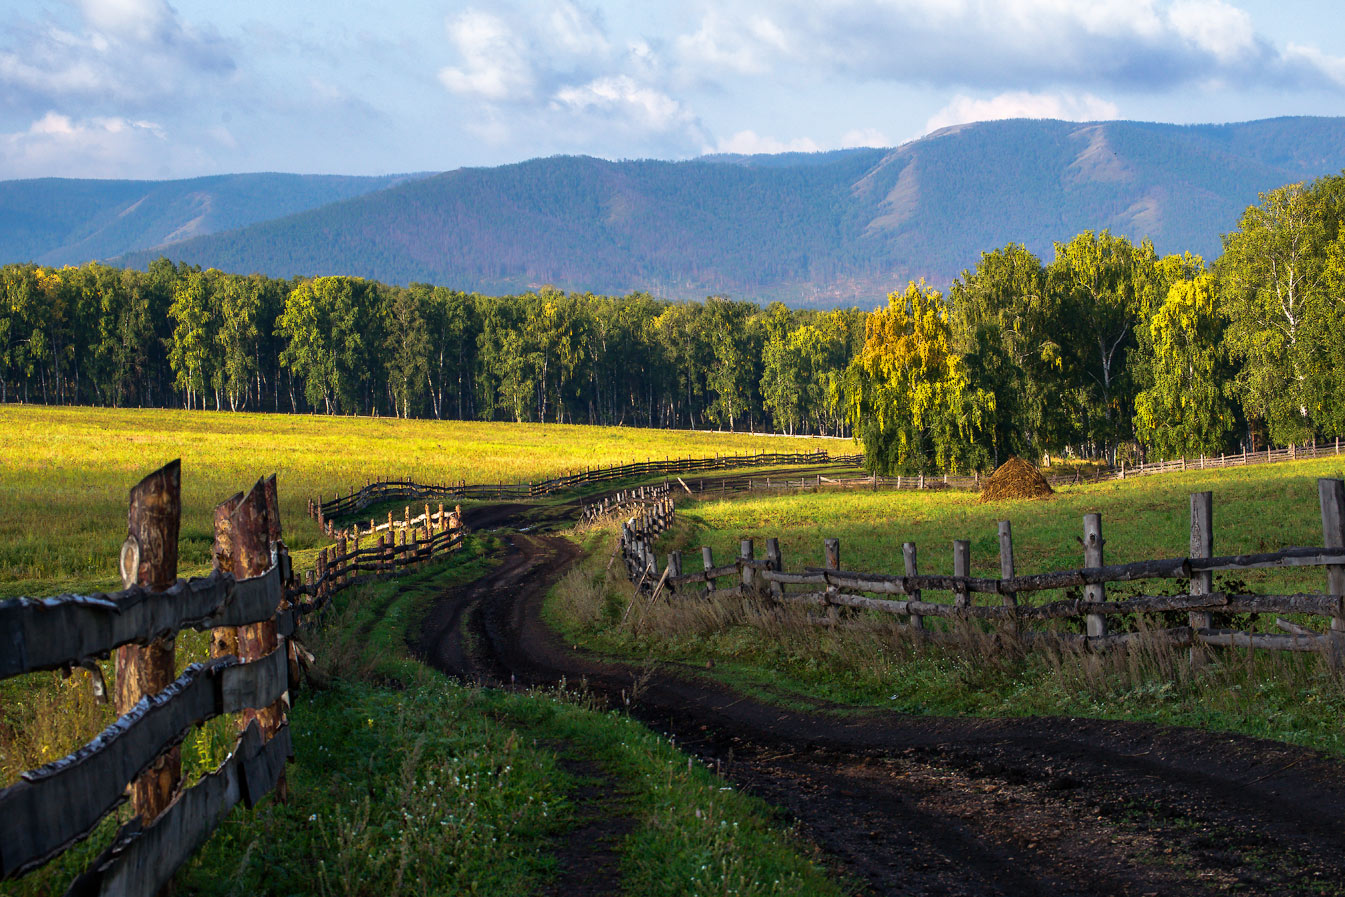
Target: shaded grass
x=65, y=472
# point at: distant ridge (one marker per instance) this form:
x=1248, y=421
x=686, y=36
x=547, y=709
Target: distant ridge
x=58, y=221
x=824, y=228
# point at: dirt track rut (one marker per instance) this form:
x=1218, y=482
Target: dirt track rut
x=934, y=806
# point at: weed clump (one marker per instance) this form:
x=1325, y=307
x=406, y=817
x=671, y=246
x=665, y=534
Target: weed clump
x=1015, y=478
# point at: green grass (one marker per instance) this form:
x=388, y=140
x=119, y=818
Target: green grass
x=66, y=472
x=871, y=661
x=408, y=783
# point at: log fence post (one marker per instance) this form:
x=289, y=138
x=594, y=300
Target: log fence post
x=674, y=569
x=909, y=559
x=1202, y=583
x=831, y=551
x=252, y=557
x=224, y=639
x=149, y=559
x=1008, y=599
x=961, y=568
x=708, y=561
x=745, y=553
x=777, y=590
x=1331, y=494
x=1093, y=557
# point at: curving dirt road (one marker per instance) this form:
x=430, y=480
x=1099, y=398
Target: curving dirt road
x=932, y=806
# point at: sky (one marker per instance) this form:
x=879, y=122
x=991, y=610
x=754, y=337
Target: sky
x=152, y=89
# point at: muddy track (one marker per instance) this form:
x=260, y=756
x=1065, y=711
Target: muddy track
x=935, y=806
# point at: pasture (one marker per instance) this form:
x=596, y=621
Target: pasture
x=65, y=472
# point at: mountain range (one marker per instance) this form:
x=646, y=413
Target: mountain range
x=823, y=228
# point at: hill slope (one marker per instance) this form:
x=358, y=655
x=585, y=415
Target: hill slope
x=59, y=221
x=823, y=228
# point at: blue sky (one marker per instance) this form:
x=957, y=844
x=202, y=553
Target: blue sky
x=152, y=89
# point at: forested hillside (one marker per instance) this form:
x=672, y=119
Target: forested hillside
x=1107, y=349
x=824, y=229
x=63, y=221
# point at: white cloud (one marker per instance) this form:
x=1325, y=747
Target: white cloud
x=1315, y=60
x=992, y=44
x=1214, y=26
x=748, y=46
x=864, y=137
x=625, y=98
x=1020, y=104
x=135, y=53
x=494, y=59
x=58, y=145
x=750, y=143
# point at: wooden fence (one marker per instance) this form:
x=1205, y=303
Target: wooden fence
x=623, y=500
x=407, y=491
x=251, y=604
x=832, y=586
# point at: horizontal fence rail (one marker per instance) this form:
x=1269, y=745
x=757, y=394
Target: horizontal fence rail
x=833, y=587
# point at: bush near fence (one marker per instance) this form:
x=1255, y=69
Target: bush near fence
x=833, y=587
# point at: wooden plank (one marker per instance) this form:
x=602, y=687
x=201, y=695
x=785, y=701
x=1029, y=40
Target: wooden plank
x=55, y=806
x=142, y=859
x=50, y=633
x=1265, y=641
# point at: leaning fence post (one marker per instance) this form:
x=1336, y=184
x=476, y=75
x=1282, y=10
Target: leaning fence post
x=1092, y=557
x=908, y=556
x=1331, y=493
x=252, y=557
x=149, y=559
x=1202, y=582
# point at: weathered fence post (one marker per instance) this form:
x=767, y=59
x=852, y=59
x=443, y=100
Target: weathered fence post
x=961, y=568
x=1008, y=599
x=149, y=559
x=674, y=569
x=1202, y=582
x=745, y=553
x=252, y=557
x=708, y=560
x=1092, y=557
x=775, y=563
x=1331, y=494
x=224, y=639
x=912, y=569
x=831, y=550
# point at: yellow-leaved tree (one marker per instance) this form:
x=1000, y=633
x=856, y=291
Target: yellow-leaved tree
x=907, y=394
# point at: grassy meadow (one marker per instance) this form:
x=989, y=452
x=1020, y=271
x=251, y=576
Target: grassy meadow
x=65, y=472
x=872, y=660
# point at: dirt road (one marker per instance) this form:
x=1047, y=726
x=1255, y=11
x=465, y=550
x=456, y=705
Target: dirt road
x=933, y=806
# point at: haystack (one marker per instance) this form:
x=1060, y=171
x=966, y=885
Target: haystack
x=1015, y=478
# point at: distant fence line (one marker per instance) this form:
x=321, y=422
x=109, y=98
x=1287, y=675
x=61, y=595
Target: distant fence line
x=405, y=490
x=834, y=587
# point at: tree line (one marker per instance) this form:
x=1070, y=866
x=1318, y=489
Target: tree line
x=1107, y=351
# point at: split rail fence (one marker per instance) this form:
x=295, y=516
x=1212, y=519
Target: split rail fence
x=831, y=586
x=382, y=491
x=252, y=604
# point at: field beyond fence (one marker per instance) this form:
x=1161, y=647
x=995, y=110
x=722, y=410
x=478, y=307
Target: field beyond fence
x=835, y=589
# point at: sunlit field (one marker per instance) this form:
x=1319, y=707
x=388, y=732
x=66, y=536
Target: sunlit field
x=65, y=472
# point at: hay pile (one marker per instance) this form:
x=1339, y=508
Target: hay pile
x=1015, y=478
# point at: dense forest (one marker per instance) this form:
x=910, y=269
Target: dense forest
x=1109, y=350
